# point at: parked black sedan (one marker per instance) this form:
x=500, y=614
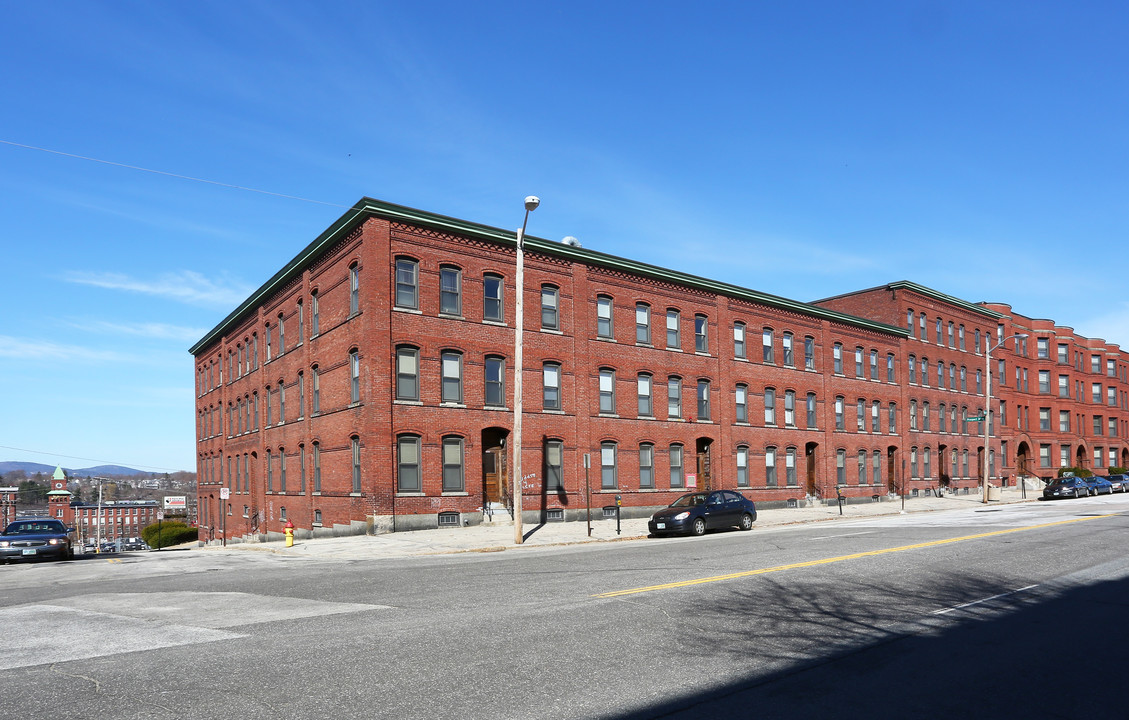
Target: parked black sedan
x=694, y=513
x=34, y=539
x=1066, y=487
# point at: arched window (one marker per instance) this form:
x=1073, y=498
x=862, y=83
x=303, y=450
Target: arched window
x=453, y=464
x=407, y=284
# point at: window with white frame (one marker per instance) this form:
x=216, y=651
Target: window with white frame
x=407, y=464
x=704, y=400
x=604, y=317
x=551, y=386
x=407, y=375
x=646, y=465
x=646, y=401
x=607, y=391
x=674, y=397
x=642, y=323
x=677, y=470
x=673, y=329
x=452, y=377
x=495, y=368
x=407, y=283
x=450, y=290
x=453, y=465
x=608, y=471
x=550, y=308
x=742, y=458
x=492, y=303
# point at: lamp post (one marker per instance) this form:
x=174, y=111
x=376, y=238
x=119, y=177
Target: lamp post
x=988, y=412
x=98, y=518
x=531, y=203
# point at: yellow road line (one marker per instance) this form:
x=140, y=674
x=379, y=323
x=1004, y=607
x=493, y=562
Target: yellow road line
x=840, y=558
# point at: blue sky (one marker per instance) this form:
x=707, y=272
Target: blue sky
x=803, y=149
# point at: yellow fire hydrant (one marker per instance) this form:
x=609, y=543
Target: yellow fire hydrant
x=289, y=530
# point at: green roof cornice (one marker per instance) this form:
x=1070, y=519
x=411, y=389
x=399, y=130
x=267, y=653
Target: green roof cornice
x=931, y=293
x=369, y=208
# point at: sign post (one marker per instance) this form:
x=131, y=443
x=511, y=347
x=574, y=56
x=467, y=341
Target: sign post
x=225, y=493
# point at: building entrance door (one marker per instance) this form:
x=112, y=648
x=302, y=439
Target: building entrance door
x=809, y=455
x=494, y=475
x=705, y=470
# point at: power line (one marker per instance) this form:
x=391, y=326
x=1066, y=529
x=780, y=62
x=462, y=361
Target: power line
x=95, y=460
x=171, y=174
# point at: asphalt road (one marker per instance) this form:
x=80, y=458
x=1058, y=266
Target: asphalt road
x=985, y=612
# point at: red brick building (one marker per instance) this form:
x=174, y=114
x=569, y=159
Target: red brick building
x=368, y=385
x=119, y=519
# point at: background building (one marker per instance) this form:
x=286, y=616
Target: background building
x=368, y=386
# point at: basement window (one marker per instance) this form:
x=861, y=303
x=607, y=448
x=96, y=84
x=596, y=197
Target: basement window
x=555, y=515
x=448, y=519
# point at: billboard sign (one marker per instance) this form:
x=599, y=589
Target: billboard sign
x=176, y=502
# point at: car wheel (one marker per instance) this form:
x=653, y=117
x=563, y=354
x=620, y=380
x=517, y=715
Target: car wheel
x=699, y=527
x=746, y=522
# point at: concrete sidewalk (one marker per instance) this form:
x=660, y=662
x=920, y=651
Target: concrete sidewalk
x=499, y=537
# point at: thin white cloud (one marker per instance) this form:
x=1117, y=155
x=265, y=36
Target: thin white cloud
x=185, y=286
x=156, y=331
x=20, y=349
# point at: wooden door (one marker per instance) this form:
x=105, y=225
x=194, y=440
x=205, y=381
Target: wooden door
x=494, y=475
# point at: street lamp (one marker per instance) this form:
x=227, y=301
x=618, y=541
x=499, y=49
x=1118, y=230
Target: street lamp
x=988, y=412
x=531, y=203
x=98, y=518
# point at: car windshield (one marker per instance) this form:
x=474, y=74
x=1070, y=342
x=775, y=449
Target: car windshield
x=689, y=500
x=35, y=528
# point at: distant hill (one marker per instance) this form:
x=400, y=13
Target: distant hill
x=100, y=470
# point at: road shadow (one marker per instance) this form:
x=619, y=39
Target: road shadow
x=1038, y=654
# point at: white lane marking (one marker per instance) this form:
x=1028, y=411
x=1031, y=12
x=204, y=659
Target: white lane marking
x=829, y=537
x=983, y=600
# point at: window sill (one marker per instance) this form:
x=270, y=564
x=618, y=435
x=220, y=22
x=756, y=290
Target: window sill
x=409, y=311
x=601, y=338
x=408, y=494
x=495, y=408
x=448, y=405
x=455, y=493
x=551, y=331
x=451, y=316
x=496, y=323
x=407, y=402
